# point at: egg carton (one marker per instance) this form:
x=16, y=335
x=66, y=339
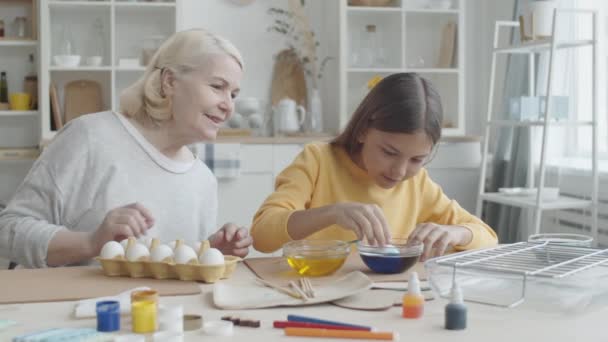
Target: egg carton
x=119, y=267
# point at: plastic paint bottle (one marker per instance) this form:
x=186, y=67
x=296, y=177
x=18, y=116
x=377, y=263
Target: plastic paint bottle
x=413, y=301
x=456, y=311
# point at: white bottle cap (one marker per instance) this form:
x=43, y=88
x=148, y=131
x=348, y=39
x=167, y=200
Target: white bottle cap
x=413, y=285
x=170, y=318
x=456, y=294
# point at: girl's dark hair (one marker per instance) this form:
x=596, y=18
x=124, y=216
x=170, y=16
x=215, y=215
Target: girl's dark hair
x=400, y=103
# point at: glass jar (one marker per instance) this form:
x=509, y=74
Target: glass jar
x=19, y=27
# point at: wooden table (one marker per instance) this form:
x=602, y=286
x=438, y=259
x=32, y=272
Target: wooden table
x=486, y=323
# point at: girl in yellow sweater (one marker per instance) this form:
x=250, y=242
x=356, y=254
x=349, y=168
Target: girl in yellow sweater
x=370, y=183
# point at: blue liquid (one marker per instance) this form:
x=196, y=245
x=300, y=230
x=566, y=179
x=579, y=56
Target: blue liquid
x=388, y=264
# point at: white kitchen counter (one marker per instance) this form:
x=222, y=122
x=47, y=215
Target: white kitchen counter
x=486, y=323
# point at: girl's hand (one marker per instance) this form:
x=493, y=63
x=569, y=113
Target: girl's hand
x=366, y=220
x=120, y=223
x=232, y=240
x=437, y=238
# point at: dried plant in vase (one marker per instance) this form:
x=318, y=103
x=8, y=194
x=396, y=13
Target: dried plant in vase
x=294, y=25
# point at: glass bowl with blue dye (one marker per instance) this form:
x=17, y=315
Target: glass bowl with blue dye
x=396, y=257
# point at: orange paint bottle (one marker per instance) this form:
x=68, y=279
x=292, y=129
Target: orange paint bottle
x=413, y=301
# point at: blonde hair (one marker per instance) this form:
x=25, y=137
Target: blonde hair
x=183, y=52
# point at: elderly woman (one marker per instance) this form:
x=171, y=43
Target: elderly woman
x=111, y=175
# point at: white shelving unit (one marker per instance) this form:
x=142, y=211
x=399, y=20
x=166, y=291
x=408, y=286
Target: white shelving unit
x=552, y=45
x=126, y=24
x=18, y=129
x=410, y=38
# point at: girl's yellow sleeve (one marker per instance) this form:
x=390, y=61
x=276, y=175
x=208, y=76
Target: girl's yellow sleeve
x=293, y=191
x=438, y=208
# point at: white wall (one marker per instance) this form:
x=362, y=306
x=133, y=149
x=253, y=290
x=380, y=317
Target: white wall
x=246, y=27
x=481, y=17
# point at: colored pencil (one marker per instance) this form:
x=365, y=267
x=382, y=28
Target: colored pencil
x=288, y=324
x=298, y=318
x=354, y=334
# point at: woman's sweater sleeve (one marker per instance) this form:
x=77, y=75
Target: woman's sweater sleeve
x=293, y=191
x=35, y=213
x=438, y=208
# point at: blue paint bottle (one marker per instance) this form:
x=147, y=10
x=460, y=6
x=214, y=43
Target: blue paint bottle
x=456, y=311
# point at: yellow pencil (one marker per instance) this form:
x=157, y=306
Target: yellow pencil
x=356, y=334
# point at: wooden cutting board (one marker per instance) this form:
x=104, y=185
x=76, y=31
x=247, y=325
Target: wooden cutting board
x=75, y=283
x=288, y=80
x=81, y=97
x=277, y=270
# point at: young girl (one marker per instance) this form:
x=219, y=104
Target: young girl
x=110, y=175
x=370, y=183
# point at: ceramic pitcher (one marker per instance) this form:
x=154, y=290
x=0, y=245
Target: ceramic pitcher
x=288, y=116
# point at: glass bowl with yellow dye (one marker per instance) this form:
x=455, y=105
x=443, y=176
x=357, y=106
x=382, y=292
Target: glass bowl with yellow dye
x=315, y=258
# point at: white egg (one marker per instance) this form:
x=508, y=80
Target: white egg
x=146, y=241
x=137, y=251
x=389, y=250
x=124, y=243
x=111, y=250
x=212, y=256
x=184, y=254
x=161, y=253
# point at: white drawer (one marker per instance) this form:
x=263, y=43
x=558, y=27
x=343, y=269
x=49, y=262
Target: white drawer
x=284, y=155
x=256, y=158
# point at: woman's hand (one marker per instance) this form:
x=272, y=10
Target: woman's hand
x=120, y=223
x=231, y=240
x=366, y=220
x=437, y=238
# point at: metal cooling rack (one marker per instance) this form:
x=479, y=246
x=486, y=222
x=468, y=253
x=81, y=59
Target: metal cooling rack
x=528, y=260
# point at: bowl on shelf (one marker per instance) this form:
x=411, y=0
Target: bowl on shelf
x=315, y=258
x=247, y=105
x=440, y=4
x=396, y=257
x=370, y=3
x=94, y=61
x=67, y=61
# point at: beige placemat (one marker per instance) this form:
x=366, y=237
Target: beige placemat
x=277, y=270
x=252, y=295
x=75, y=283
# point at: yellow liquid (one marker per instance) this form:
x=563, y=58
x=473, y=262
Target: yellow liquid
x=315, y=267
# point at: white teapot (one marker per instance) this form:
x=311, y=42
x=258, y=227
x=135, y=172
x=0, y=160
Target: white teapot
x=288, y=116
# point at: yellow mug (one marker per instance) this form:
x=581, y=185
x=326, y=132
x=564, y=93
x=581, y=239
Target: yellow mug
x=19, y=101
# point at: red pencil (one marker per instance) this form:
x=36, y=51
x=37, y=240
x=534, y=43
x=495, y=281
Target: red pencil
x=290, y=324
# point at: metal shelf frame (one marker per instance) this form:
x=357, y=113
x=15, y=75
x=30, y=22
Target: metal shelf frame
x=552, y=45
